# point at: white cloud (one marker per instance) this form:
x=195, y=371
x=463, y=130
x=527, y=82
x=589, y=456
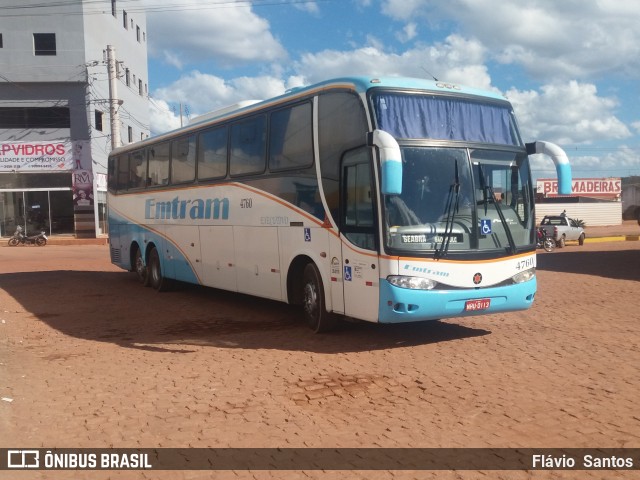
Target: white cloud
x=409, y=32
x=562, y=111
x=172, y=59
x=203, y=93
x=311, y=7
x=402, y=9
x=295, y=81
x=163, y=118
x=556, y=43
x=456, y=60
x=568, y=113
x=374, y=42
x=224, y=34
x=620, y=161
x=549, y=38
x=624, y=158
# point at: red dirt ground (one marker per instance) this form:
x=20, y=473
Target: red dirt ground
x=91, y=358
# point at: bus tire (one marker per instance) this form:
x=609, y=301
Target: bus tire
x=142, y=272
x=156, y=280
x=313, y=301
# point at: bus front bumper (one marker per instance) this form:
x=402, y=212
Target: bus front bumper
x=398, y=305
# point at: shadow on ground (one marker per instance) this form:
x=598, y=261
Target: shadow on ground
x=620, y=264
x=113, y=307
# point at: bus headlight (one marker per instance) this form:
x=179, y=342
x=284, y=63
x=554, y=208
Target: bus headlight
x=524, y=276
x=413, y=283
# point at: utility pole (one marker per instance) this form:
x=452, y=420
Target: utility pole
x=113, y=97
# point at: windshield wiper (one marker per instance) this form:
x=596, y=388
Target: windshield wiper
x=487, y=189
x=450, y=209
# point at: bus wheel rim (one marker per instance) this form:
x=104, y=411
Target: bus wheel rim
x=310, y=299
x=140, y=266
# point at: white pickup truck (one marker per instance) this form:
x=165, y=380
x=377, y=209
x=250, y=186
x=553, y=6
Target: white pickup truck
x=562, y=229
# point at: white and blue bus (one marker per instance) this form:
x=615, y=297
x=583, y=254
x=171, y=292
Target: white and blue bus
x=381, y=199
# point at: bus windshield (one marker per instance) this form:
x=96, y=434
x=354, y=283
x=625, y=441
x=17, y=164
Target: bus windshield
x=460, y=199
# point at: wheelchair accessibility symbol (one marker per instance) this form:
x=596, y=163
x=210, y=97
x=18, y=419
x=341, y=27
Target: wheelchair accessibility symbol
x=485, y=226
x=307, y=234
x=347, y=274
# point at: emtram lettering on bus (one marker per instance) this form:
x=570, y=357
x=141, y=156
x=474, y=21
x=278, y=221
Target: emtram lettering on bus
x=197, y=209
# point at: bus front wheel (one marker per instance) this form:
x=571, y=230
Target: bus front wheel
x=156, y=280
x=313, y=301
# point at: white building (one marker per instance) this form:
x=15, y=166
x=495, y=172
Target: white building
x=595, y=201
x=55, y=123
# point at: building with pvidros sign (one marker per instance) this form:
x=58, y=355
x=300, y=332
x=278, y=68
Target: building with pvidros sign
x=55, y=105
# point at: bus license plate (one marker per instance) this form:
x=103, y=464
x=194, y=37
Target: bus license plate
x=474, y=305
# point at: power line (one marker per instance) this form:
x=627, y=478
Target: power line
x=600, y=149
x=589, y=170
x=173, y=7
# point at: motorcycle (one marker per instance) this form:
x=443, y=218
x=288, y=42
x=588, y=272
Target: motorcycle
x=545, y=241
x=20, y=238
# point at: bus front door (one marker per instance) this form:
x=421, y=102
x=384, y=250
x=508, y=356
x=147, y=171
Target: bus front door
x=360, y=272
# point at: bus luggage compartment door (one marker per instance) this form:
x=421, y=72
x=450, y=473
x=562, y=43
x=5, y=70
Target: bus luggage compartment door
x=259, y=264
x=218, y=266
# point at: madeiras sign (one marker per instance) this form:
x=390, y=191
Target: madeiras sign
x=587, y=187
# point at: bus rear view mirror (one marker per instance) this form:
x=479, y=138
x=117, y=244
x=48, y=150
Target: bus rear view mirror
x=390, y=161
x=559, y=157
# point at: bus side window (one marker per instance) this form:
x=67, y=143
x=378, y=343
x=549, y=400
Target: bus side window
x=183, y=160
x=248, y=146
x=290, y=138
x=138, y=169
x=159, y=164
x=123, y=173
x=112, y=173
x=212, y=154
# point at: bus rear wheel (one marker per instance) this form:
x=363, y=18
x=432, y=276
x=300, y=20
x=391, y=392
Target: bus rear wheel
x=313, y=301
x=156, y=280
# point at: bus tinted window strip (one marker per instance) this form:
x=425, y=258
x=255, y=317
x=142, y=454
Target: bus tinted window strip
x=239, y=175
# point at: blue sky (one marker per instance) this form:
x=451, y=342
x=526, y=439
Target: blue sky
x=570, y=67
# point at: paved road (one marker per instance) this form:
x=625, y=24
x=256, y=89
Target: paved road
x=92, y=359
